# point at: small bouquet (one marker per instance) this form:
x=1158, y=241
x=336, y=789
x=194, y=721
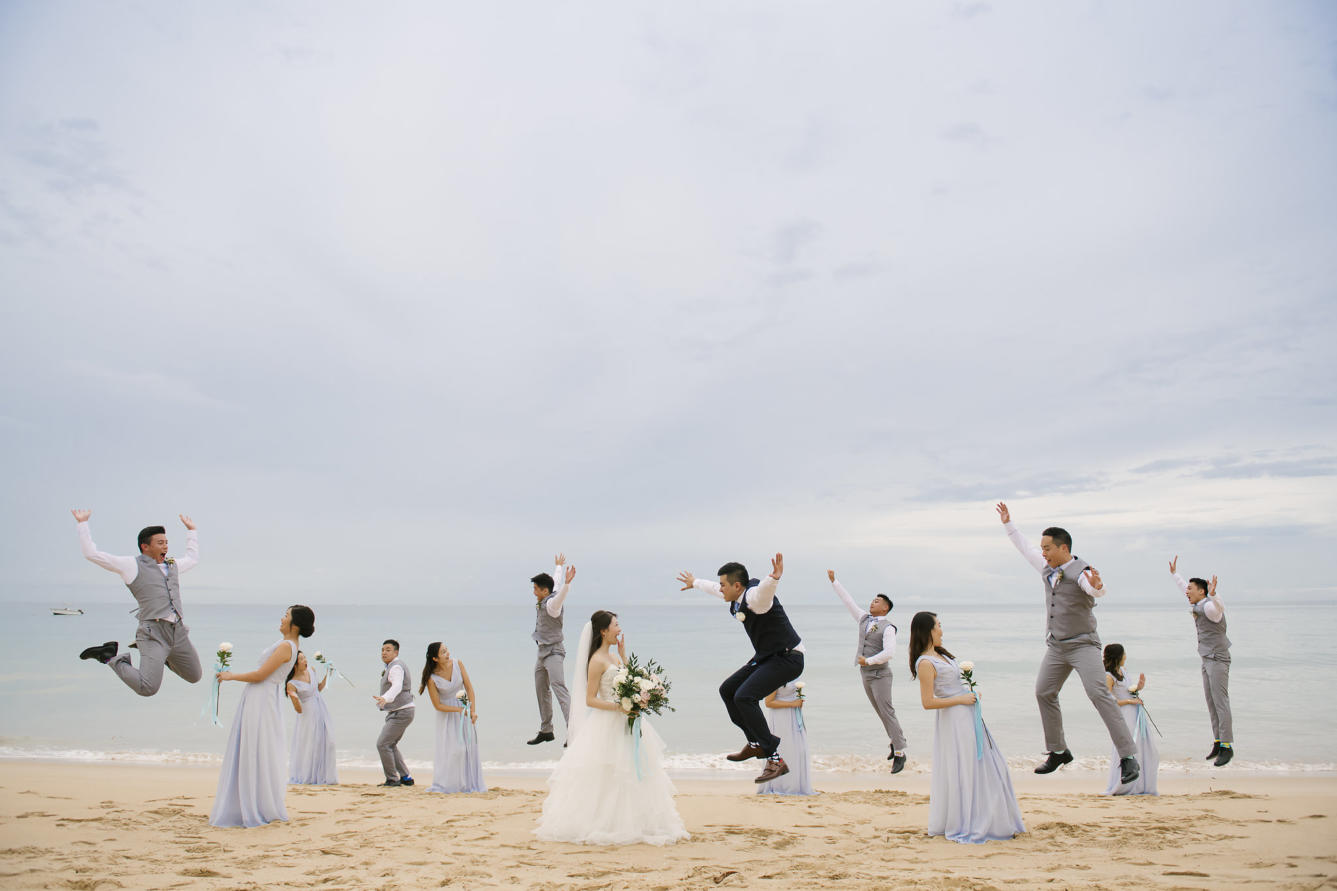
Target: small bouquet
x=798, y=687
x=640, y=689
x=329, y=667
x=463, y=697
x=222, y=661
x=1142, y=711
x=968, y=674
x=224, y=656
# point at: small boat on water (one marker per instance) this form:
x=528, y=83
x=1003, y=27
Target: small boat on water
x=66, y=611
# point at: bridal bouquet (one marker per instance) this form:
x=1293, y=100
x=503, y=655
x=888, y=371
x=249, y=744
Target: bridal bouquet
x=641, y=688
x=222, y=661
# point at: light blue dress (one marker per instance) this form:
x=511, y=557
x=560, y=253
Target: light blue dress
x=311, y=759
x=790, y=726
x=252, y=782
x=457, y=767
x=970, y=797
x=1148, y=753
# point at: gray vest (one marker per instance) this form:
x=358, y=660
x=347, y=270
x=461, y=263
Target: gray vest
x=870, y=641
x=158, y=596
x=405, y=696
x=547, y=630
x=1212, y=640
x=1069, y=607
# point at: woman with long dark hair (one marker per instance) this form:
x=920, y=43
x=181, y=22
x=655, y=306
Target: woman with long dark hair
x=1135, y=716
x=457, y=767
x=311, y=758
x=970, y=793
x=610, y=788
x=253, y=780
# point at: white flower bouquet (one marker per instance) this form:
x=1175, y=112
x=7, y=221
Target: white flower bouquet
x=641, y=688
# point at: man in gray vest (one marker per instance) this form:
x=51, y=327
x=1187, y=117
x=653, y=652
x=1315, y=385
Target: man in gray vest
x=396, y=700
x=1209, y=614
x=1071, y=588
x=549, y=678
x=154, y=579
x=873, y=654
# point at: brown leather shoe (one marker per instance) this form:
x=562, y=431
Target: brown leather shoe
x=748, y=751
x=776, y=768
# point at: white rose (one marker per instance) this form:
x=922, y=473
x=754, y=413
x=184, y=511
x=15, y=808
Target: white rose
x=740, y=617
x=799, y=685
x=644, y=683
x=967, y=666
x=626, y=704
x=317, y=655
x=460, y=694
x=620, y=676
x=654, y=678
x=225, y=647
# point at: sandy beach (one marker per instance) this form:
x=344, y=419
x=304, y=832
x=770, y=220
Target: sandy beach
x=135, y=826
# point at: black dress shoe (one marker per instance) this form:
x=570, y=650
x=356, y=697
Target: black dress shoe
x=1216, y=750
x=1053, y=761
x=391, y=783
x=103, y=653
x=897, y=763
x=1223, y=758
x=406, y=781
x=1128, y=770
x=542, y=737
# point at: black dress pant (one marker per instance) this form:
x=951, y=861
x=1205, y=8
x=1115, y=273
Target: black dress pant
x=743, y=691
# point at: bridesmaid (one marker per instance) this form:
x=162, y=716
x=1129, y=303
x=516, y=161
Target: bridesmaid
x=786, y=721
x=311, y=761
x=970, y=795
x=251, y=784
x=1148, y=753
x=457, y=767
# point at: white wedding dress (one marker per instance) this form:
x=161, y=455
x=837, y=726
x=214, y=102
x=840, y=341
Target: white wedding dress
x=595, y=795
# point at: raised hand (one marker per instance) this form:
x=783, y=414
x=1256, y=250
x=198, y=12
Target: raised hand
x=1003, y=513
x=1094, y=575
x=1211, y=590
x=186, y=521
x=81, y=516
x=1174, y=564
x=688, y=580
x=570, y=573
x=559, y=559
x=831, y=574
x=622, y=647
x=777, y=566
x=1141, y=682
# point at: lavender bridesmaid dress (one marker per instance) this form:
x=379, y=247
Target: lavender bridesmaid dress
x=790, y=726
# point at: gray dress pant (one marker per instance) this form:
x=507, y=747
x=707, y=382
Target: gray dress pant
x=549, y=682
x=387, y=744
x=160, y=643
x=1080, y=654
x=1216, y=687
x=877, y=685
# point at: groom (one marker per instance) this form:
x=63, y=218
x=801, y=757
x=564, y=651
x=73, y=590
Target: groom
x=777, y=657
x=549, y=680
x=153, y=579
x=1071, y=588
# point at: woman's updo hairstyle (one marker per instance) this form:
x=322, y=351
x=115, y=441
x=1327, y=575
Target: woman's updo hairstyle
x=303, y=619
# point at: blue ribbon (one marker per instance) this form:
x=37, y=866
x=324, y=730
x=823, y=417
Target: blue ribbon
x=799, y=710
x=979, y=730
x=464, y=719
x=210, y=709
x=636, y=745
x=1141, y=721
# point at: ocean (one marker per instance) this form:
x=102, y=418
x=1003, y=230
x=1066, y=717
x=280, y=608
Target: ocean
x=53, y=706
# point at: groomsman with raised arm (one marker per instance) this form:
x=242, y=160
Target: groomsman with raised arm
x=549, y=671
x=396, y=700
x=1209, y=614
x=777, y=657
x=154, y=579
x=1071, y=644
x=873, y=654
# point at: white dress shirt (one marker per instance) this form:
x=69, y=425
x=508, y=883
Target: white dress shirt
x=758, y=599
x=554, y=603
x=396, y=679
x=888, y=633
x=128, y=567
x=1215, y=610
x=1037, y=560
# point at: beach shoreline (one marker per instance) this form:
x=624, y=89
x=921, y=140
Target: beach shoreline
x=108, y=825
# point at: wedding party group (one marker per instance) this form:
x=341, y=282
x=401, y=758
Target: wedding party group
x=610, y=785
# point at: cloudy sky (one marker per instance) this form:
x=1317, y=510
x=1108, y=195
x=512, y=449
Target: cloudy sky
x=396, y=302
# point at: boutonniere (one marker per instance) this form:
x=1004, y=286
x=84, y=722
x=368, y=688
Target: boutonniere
x=170, y=561
x=872, y=626
x=1058, y=577
x=740, y=616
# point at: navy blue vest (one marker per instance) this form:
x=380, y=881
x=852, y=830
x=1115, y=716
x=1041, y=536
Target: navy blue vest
x=770, y=632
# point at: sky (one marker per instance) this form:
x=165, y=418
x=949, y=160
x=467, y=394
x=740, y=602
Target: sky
x=398, y=302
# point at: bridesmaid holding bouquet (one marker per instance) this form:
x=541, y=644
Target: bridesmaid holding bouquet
x=457, y=767
x=311, y=760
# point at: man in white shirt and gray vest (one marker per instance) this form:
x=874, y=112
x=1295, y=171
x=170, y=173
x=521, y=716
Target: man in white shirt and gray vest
x=154, y=579
x=873, y=655
x=396, y=700
x=1071, y=644
x=1209, y=615
x=549, y=671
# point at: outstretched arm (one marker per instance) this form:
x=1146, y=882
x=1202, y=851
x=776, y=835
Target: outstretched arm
x=563, y=580
x=845, y=597
x=1179, y=579
x=276, y=658
x=1214, y=609
x=125, y=567
x=689, y=581
x=760, y=598
x=1028, y=550
x=192, y=555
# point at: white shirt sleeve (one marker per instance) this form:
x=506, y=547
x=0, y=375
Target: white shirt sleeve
x=1182, y=585
x=888, y=647
x=708, y=587
x=760, y=598
x=1215, y=610
x=126, y=567
x=396, y=679
x=192, y=557
x=1028, y=550
x=1084, y=582
x=848, y=601
x=554, y=604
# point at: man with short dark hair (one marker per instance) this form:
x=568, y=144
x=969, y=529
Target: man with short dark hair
x=153, y=578
x=777, y=657
x=1071, y=644
x=549, y=671
x=1209, y=615
x=396, y=700
x=873, y=653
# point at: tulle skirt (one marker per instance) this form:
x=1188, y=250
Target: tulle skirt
x=595, y=796
x=251, y=783
x=970, y=799
x=1148, y=756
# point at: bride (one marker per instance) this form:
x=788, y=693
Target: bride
x=606, y=790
